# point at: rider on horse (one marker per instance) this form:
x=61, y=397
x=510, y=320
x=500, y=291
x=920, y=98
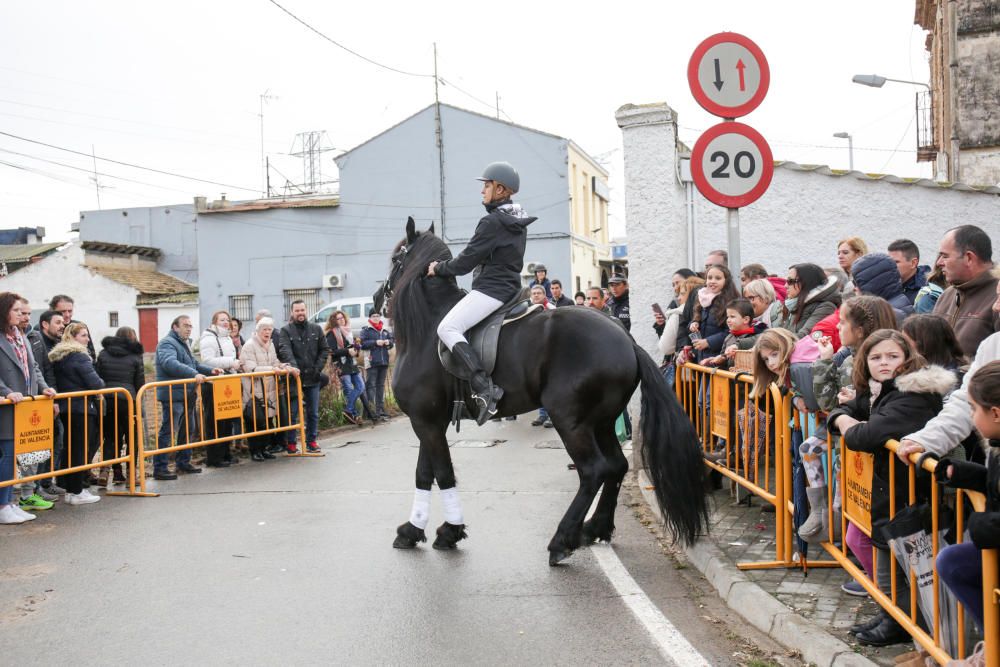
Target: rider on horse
x=496, y=252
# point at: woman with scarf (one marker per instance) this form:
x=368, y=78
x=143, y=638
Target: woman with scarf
x=377, y=341
x=343, y=354
x=261, y=396
x=218, y=351
x=20, y=377
x=811, y=297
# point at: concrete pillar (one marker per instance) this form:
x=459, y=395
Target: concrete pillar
x=655, y=216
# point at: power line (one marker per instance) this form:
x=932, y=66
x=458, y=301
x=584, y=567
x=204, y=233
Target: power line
x=126, y=164
x=352, y=52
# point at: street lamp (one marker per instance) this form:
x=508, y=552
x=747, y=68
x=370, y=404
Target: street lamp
x=850, y=146
x=876, y=81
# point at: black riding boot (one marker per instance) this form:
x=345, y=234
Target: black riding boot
x=486, y=393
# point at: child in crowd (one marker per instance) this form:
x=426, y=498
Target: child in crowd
x=742, y=333
x=960, y=566
x=709, y=326
x=833, y=385
x=896, y=393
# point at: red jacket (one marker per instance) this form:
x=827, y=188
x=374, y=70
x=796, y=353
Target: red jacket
x=828, y=327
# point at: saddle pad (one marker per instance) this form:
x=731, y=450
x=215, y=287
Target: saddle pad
x=484, y=338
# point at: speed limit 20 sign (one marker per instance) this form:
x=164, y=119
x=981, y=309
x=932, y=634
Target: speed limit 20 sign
x=732, y=165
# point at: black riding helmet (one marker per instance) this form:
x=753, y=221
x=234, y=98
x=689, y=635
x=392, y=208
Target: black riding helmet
x=503, y=173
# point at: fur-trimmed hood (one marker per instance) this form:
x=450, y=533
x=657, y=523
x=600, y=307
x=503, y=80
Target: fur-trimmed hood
x=65, y=348
x=119, y=346
x=928, y=380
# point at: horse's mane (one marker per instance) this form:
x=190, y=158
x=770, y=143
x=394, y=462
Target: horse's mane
x=414, y=298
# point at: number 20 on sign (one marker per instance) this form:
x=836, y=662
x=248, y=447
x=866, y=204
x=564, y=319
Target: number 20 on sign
x=731, y=165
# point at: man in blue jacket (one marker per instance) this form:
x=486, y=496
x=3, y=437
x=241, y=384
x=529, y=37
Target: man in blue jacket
x=175, y=361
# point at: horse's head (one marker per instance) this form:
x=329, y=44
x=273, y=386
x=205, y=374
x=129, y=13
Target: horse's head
x=410, y=258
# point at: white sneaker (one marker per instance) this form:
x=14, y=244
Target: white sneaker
x=88, y=493
x=82, y=498
x=9, y=516
x=27, y=516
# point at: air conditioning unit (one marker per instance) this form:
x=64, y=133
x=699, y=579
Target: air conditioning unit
x=335, y=280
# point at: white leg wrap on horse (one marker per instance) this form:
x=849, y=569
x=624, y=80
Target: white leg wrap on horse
x=421, y=512
x=452, y=506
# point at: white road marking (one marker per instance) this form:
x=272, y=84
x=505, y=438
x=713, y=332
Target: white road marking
x=672, y=644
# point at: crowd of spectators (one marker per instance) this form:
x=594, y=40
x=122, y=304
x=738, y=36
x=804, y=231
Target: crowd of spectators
x=880, y=347
x=58, y=355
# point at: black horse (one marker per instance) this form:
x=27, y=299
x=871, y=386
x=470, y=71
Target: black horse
x=580, y=364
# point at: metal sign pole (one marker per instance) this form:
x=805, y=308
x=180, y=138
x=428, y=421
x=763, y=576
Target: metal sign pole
x=733, y=238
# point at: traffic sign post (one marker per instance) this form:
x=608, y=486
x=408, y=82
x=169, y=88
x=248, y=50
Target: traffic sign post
x=729, y=75
x=731, y=163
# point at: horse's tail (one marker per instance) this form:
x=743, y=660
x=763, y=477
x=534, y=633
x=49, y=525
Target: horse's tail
x=672, y=454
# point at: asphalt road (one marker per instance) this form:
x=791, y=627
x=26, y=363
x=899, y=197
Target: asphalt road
x=290, y=562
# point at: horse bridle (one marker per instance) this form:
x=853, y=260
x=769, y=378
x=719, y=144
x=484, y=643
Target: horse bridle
x=397, y=262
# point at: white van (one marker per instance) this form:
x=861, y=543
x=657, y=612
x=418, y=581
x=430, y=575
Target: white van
x=356, y=309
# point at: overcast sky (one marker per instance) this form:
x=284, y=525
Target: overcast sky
x=176, y=86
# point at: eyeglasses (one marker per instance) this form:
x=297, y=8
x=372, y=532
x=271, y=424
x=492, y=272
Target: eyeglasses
x=792, y=281
x=751, y=297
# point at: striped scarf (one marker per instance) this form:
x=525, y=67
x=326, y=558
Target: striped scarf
x=17, y=342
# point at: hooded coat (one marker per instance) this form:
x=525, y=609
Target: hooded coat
x=876, y=274
x=496, y=252
x=120, y=363
x=903, y=405
x=821, y=301
x=75, y=372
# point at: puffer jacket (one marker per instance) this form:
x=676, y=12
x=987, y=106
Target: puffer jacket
x=120, y=363
x=876, y=274
x=258, y=358
x=916, y=282
x=711, y=329
x=904, y=404
x=984, y=527
x=968, y=307
x=496, y=252
x=75, y=372
x=821, y=301
x=218, y=349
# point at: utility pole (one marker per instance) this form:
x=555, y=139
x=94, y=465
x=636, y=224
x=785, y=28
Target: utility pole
x=97, y=183
x=498, y=105
x=264, y=97
x=439, y=137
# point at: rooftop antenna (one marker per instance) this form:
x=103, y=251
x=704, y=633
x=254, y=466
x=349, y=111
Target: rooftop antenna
x=264, y=97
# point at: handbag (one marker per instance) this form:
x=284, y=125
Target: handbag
x=753, y=433
x=255, y=410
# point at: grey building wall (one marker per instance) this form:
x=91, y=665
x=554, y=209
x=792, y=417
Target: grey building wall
x=172, y=229
x=382, y=181
x=395, y=174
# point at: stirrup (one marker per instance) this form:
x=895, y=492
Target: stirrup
x=487, y=403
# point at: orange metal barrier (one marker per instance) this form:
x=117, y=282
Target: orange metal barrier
x=720, y=405
x=192, y=416
x=711, y=397
x=34, y=430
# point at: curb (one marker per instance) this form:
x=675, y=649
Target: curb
x=758, y=607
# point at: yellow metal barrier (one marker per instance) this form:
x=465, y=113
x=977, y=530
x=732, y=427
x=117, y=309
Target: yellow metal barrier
x=32, y=417
x=709, y=397
x=720, y=405
x=193, y=409
x=906, y=612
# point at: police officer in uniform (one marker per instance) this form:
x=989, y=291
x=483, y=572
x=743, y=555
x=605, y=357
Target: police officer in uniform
x=619, y=300
x=496, y=254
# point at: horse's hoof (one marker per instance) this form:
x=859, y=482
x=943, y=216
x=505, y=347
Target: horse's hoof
x=448, y=535
x=589, y=534
x=558, y=556
x=407, y=536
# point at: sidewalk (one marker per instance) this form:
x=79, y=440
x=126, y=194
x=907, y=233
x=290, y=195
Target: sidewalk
x=805, y=612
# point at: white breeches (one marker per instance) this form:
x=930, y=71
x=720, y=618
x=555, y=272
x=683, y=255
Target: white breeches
x=467, y=313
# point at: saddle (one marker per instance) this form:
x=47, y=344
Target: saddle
x=485, y=336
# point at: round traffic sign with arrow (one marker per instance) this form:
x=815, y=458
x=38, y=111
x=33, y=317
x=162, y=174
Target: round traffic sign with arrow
x=731, y=164
x=728, y=75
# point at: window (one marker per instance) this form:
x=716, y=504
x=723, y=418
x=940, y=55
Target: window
x=241, y=307
x=310, y=296
x=113, y=319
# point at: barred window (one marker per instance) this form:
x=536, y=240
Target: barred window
x=310, y=296
x=113, y=319
x=241, y=307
